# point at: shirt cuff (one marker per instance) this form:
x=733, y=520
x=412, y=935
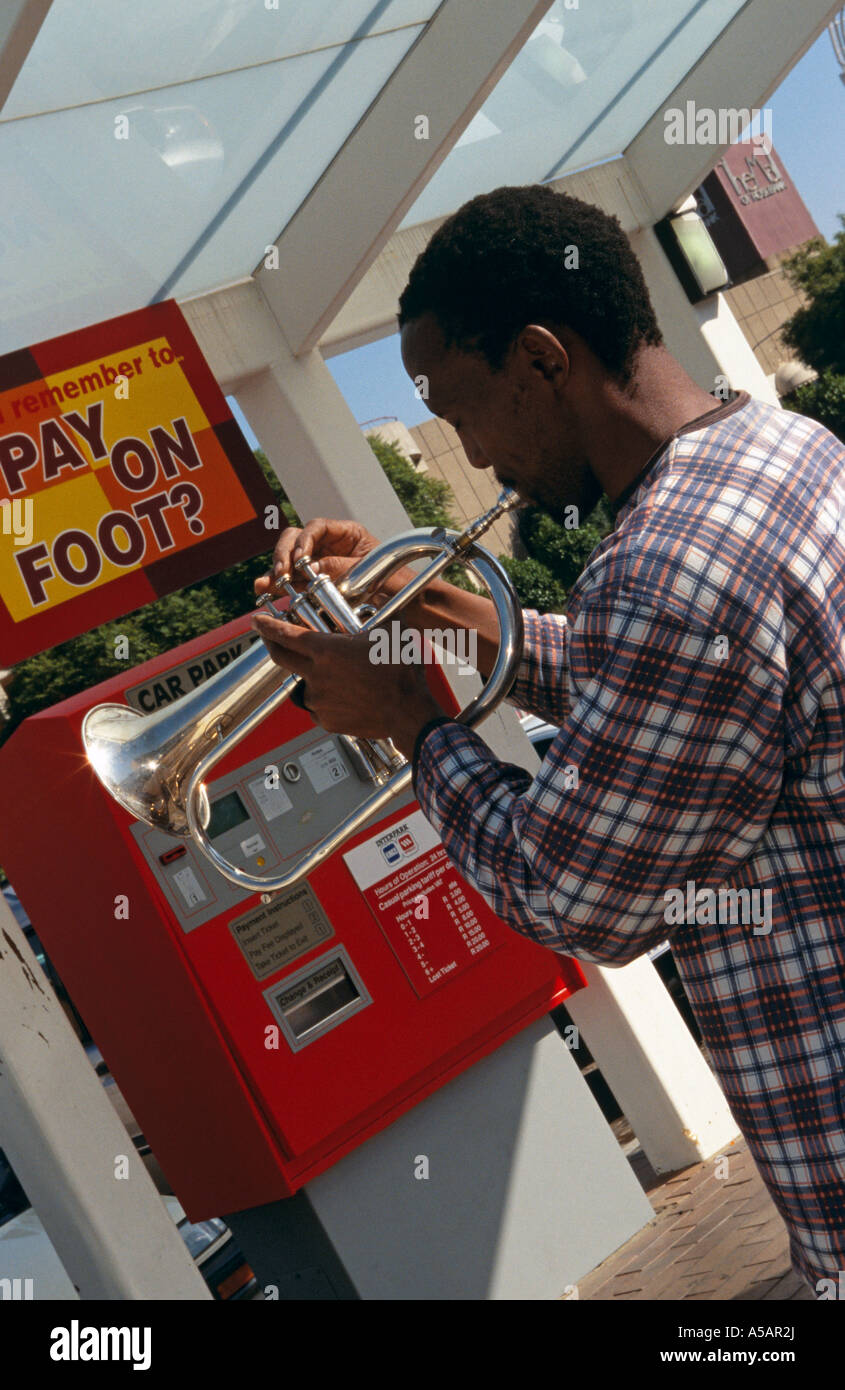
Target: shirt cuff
x=423, y=735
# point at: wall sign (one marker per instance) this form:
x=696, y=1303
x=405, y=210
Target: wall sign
x=123, y=476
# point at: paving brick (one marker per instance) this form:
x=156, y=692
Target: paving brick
x=787, y=1286
x=711, y=1239
x=756, y=1292
x=711, y=1222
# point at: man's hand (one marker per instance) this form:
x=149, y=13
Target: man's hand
x=344, y=690
x=334, y=547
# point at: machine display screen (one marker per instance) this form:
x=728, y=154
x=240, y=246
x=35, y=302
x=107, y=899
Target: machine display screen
x=226, y=813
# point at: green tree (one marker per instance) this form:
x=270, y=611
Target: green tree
x=822, y=400
x=535, y=584
x=426, y=500
x=563, y=550
x=556, y=556
x=95, y=656
x=817, y=330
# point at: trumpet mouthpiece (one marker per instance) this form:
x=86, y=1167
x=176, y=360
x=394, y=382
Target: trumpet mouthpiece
x=508, y=499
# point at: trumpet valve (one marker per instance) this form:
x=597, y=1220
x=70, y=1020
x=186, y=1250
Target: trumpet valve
x=305, y=567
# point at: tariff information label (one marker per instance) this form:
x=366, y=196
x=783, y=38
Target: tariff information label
x=433, y=921
x=123, y=476
x=271, y=936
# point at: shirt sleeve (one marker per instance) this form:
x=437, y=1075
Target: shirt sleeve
x=542, y=681
x=666, y=769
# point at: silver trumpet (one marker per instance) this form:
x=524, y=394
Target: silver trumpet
x=156, y=765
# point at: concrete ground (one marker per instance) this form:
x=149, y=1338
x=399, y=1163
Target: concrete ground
x=712, y=1237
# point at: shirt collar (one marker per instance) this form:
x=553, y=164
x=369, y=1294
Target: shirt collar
x=735, y=401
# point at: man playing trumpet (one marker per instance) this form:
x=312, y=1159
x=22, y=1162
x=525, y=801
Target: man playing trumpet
x=698, y=677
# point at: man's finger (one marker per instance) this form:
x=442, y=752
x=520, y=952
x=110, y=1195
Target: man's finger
x=296, y=541
x=284, y=641
x=288, y=635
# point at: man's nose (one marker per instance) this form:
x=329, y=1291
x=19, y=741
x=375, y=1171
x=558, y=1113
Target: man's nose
x=476, y=456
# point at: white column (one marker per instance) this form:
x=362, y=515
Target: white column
x=302, y=421
x=721, y=332
x=20, y=21
x=648, y=1057
x=525, y=1190
x=706, y=338
x=314, y=444
x=64, y=1140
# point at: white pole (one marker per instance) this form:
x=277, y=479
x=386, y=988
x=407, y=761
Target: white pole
x=649, y=1058
x=112, y=1232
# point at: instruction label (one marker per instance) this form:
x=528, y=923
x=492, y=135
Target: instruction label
x=273, y=934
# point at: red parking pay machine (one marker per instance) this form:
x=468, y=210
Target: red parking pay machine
x=258, y=1043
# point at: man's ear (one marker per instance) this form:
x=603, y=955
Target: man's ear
x=544, y=353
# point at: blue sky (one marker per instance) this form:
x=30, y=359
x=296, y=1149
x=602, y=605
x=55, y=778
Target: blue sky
x=808, y=131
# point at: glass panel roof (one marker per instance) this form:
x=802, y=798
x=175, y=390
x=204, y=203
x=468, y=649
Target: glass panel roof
x=156, y=150
x=92, y=50
x=155, y=147
x=583, y=85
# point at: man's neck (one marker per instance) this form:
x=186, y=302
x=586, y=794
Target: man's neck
x=630, y=424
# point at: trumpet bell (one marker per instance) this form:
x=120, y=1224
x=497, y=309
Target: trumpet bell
x=128, y=756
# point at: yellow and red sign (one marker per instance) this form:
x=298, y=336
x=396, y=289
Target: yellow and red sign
x=123, y=476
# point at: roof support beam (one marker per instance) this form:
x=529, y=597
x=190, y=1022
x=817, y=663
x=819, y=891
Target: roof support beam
x=20, y=21
x=741, y=69
x=366, y=190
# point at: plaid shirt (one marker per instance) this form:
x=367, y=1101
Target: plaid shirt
x=699, y=682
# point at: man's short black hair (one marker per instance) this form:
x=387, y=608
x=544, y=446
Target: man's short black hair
x=500, y=262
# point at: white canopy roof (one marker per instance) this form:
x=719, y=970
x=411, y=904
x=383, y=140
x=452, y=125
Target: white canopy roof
x=159, y=149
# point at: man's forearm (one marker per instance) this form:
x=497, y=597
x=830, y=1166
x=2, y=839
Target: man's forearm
x=442, y=605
